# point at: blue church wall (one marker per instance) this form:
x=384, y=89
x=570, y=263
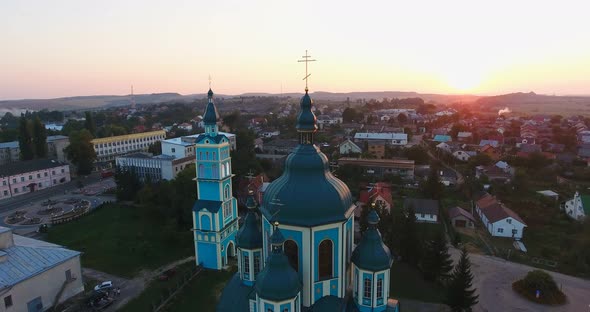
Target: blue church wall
x=319, y=236
x=207, y=253
x=209, y=190
x=285, y=307
x=205, y=223
x=334, y=287
x=318, y=291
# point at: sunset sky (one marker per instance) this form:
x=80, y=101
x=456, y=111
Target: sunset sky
x=66, y=48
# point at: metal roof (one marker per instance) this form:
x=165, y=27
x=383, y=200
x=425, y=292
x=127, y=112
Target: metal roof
x=381, y=136
x=13, y=144
x=26, y=259
x=20, y=167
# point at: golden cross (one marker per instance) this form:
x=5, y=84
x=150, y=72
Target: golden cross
x=306, y=60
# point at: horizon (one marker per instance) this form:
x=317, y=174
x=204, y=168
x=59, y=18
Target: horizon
x=67, y=48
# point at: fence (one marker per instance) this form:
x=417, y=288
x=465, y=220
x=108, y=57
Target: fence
x=170, y=293
x=67, y=217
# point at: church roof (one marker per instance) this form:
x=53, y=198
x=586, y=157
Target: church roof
x=211, y=115
x=307, y=194
x=250, y=235
x=371, y=254
x=306, y=121
x=278, y=280
x=235, y=296
x=216, y=139
x=211, y=205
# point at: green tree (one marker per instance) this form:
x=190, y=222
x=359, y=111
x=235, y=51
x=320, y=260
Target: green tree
x=155, y=148
x=233, y=121
x=410, y=249
x=129, y=186
x=81, y=151
x=437, y=263
x=89, y=123
x=432, y=188
x=402, y=118
x=25, y=139
x=244, y=156
x=455, y=129
x=460, y=292
x=39, y=138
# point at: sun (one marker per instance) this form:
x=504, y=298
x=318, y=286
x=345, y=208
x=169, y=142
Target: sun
x=463, y=80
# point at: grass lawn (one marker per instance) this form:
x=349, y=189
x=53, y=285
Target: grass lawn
x=157, y=289
x=202, y=293
x=121, y=240
x=407, y=282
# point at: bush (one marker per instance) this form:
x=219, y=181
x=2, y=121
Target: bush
x=541, y=281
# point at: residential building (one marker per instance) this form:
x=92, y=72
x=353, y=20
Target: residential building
x=376, y=148
x=56, y=145
x=378, y=193
x=154, y=168
x=107, y=149
x=491, y=151
x=461, y=218
x=389, y=138
x=578, y=207
x=348, y=147
x=382, y=167
x=28, y=176
x=426, y=210
x=493, y=173
x=462, y=155
x=9, y=152
x=186, y=126
x=182, y=147
x=493, y=143
x=464, y=136
x=498, y=219
x=442, y=138
x=36, y=275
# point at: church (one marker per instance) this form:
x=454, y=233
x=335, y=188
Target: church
x=295, y=249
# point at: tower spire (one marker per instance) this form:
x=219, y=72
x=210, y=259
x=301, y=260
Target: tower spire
x=306, y=59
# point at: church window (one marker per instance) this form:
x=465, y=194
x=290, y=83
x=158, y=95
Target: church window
x=256, y=264
x=214, y=156
x=215, y=171
x=207, y=155
x=226, y=210
x=367, y=290
x=246, y=264
x=326, y=259
x=200, y=155
x=286, y=310
x=226, y=192
x=292, y=253
x=380, y=288
x=201, y=171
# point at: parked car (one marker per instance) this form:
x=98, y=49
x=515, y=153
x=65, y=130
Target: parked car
x=104, y=286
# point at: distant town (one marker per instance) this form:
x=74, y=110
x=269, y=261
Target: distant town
x=113, y=196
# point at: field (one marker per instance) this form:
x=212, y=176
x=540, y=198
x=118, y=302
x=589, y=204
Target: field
x=120, y=240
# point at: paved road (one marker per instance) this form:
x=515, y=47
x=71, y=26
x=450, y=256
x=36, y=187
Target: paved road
x=494, y=278
x=19, y=201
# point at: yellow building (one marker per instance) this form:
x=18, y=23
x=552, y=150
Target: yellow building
x=108, y=148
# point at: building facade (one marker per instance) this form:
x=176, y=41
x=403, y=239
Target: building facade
x=578, y=207
x=9, y=152
x=298, y=255
x=56, y=145
x=153, y=168
x=28, y=176
x=36, y=275
x=381, y=167
x=215, y=213
x=107, y=149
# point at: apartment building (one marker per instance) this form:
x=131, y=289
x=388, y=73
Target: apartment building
x=107, y=149
x=28, y=176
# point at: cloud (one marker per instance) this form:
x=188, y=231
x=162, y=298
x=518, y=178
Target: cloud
x=504, y=110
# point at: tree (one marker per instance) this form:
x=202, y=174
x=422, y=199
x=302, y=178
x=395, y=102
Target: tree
x=402, y=118
x=455, y=129
x=432, y=187
x=410, y=249
x=89, y=123
x=155, y=148
x=437, y=263
x=350, y=114
x=460, y=292
x=233, y=120
x=39, y=138
x=129, y=185
x=25, y=139
x=416, y=153
x=81, y=151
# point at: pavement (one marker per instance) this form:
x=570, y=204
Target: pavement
x=493, y=278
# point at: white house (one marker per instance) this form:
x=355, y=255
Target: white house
x=444, y=147
x=425, y=210
x=461, y=155
x=578, y=207
x=498, y=219
x=36, y=275
x=185, y=126
x=348, y=147
x=389, y=138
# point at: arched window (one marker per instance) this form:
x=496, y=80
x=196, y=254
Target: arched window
x=207, y=155
x=215, y=171
x=226, y=192
x=227, y=170
x=326, y=259
x=214, y=156
x=222, y=170
x=292, y=253
x=201, y=171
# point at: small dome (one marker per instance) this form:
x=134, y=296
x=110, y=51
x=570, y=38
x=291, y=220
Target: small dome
x=249, y=236
x=307, y=194
x=371, y=254
x=277, y=281
x=211, y=115
x=306, y=121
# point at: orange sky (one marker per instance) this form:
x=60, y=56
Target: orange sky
x=66, y=48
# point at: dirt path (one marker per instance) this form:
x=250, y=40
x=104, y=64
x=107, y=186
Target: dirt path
x=131, y=288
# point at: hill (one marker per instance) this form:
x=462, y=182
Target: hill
x=532, y=103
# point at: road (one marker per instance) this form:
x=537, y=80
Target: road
x=21, y=200
x=494, y=277
x=460, y=178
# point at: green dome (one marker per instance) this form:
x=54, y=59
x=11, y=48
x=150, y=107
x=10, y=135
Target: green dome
x=371, y=254
x=277, y=281
x=307, y=194
x=306, y=121
x=211, y=115
x=249, y=236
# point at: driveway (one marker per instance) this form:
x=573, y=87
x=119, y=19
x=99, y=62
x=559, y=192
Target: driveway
x=494, y=278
